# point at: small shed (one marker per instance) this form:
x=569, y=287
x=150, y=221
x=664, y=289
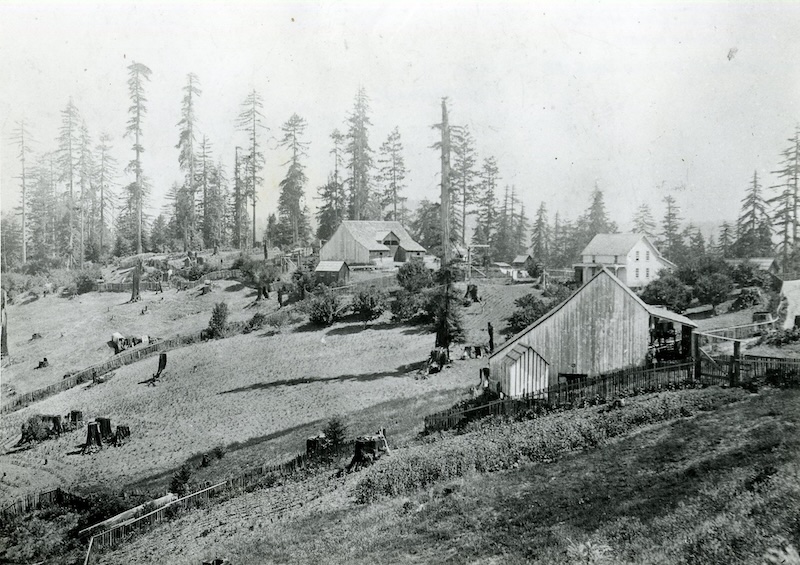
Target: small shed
x=332, y=272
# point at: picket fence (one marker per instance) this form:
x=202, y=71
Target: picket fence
x=121, y=532
x=38, y=500
x=386, y=282
x=780, y=371
x=576, y=392
x=125, y=358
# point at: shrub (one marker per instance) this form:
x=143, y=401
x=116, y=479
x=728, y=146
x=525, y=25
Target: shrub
x=180, y=480
x=302, y=283
x=219, y=321
x=747, y=274
x=35, y=430
x=747, y=298
x=529, y=309
x=85, y=280
x=557, y=293
x=255, y=323
x=369, y=303
x=408, y=306
x=413, y=276
x=668, y=291
x=324, y=308
x=713, y=289
x=218, y=452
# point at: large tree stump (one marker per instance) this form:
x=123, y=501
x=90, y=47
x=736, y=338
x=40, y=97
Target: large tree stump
x=122, y=436
x=137, y=277
x=93, y=440
x=105, y=428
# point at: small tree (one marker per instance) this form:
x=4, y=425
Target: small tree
x=369, y=304
x=180, y=480
x=324, y=308
x=668, y=291
x=335, y=432
x=302, y=283
x=218, y=321
x=413, y=276
x=713, y=289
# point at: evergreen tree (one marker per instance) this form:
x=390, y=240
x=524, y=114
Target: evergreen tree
x=725, y=240
x=186, y=155
x=595, y=220
x=239, y=203
x=392, y=174
x=251, y=120
x=785, y=203
x=333, y=208
x=88, y=201
x=138, y=74
x=671, y=241
x=501, y=239
x=68, y=143
x=521, y=227
x=43, y=208
x=487, y=206
x=159, y=235
x=106, y=173
x=697, y=245
x=464, y=175
x=22, y=138
x=426, y=226
x=361, y=205
x=205, y=177
x=540, y=238
x=754, y=237
x=293, y=185
x=10, y=235
x=643, y=222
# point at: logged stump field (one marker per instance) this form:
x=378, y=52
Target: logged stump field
x=257, y=396
x=74, y=332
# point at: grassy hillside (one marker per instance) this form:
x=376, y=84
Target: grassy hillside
x=75, y=331
x=257, y=395
x=720, y=487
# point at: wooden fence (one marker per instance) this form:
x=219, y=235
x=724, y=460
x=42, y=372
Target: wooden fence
x=121, y=532
x=738, y=332
x=233, y=274
x=125, y=358
x=38, y=500
x=572, y=393
x=776, y=370
x=386, y=282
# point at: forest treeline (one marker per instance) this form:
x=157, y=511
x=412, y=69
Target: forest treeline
x=78, y=204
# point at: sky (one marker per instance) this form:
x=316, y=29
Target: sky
x=639, y=99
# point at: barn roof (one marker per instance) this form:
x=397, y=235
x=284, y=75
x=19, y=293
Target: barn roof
x=330, y=266
x=520, y=259
x=652, y=310
x=367, y=233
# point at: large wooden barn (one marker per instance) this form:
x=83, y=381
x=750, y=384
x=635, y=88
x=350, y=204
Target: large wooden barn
x=602, y=327
x=365, y=242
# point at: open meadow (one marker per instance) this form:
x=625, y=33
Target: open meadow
x=258, y=396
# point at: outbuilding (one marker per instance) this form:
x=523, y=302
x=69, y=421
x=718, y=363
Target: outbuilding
x=366, y=242
x=332, y=272
x=603, y=327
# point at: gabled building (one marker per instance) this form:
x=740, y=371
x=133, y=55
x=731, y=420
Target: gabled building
x=365, y=242
x=332, y=272
x=768, y=264
x=603, y=327
x=631, y=257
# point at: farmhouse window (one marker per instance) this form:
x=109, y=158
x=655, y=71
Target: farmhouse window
x=647, y=255
x=637, y=255
x=647, y=273
x=637, y=273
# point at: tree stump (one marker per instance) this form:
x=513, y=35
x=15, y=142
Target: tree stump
x=93, y=440
x=122, y=435
x=105, y=428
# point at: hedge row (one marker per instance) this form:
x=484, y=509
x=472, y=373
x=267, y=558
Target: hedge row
x=501, y=446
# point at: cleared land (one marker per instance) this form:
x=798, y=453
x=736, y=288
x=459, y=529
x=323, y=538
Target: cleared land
x=684, y=491
x=256, y=395
x=75, y=331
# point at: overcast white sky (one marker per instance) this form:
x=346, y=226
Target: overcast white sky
x=637, y=97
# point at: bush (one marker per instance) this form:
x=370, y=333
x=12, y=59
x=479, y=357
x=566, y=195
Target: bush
x=324, y=308
x=747, y=274
x=255, y=323
x=408, y=306
x=219, y=321
x=747, y=298
x=180, y=480
x=668, y=291
x=413, y=276
x=369, y=303
x=529, y=309
x=713, y=289
x=503, y=446
x=557, y=293
x=302, y=283
x=35, y=430
x=86, y=280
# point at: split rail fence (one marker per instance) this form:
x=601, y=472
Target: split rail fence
x=738, y=332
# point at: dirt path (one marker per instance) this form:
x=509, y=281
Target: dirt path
x=791, y=290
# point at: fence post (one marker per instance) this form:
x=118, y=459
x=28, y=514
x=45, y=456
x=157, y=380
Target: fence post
x=737, y=355
x=696, y=357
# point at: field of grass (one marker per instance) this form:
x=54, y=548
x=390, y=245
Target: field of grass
x=75, y=331
x=720, y=487
x=497, y=305
x=257, y=395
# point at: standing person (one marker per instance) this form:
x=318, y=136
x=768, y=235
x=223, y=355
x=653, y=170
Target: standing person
x=491, y=338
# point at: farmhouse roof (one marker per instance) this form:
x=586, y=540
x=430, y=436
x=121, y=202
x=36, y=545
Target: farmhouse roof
x=367, y=232
x=619, y=244
x=652, y=310
x=329, y=266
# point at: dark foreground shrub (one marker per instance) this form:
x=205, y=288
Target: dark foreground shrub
x=219, y=321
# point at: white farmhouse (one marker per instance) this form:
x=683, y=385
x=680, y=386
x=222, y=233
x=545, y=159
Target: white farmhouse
x=631, y=257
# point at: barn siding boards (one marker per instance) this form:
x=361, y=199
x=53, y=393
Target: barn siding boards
x=361, y=242
x=603, y=327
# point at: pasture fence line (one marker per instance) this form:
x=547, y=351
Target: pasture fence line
x=124, y=358
x=233, y=274
x=385, y=282
x=744, y=331
x=238, y=484
x=38, y=500
x=575, y=393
